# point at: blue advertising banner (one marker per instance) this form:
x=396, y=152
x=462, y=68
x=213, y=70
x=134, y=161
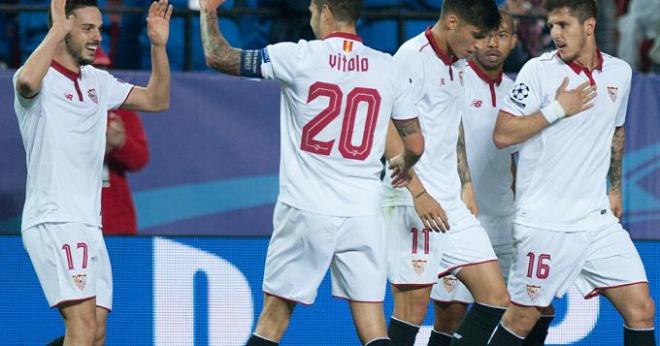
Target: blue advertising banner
x=215, y=158
x=182, y=291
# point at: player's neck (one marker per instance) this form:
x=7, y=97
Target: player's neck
x=65, y=59
x=588, y=56
x=341, y=27
x=440, y=36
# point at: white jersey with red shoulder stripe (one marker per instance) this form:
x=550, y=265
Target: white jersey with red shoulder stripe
x=562, y=171
x=63, y=130
x=436, y=86
x=490, y=167
x=337, y=98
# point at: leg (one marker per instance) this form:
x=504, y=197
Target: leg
x=540, y=331
x=410, y=305
x=516, y=323
x=491, y=298
x=274, y=318
x=637, y=309
x=369, y=321
x=80, y=321
x=448, y=316
x=101, y=318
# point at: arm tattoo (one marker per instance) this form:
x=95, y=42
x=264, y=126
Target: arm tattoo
x=407, y=127
x=219, y=54
x=463, y=169
x=615, y=162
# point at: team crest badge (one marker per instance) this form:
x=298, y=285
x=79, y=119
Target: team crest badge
x=612, y=91
x=533, y=291
x=80, y=280
x=449, y=283
x=419, y=265
x=92, y=95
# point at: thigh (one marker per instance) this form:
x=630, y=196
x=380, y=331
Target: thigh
x=299, y=253
x=104, y=283
x=359, y=265
x=411, y=248
x=65, y=260
x=546, y=263
x=612, y=261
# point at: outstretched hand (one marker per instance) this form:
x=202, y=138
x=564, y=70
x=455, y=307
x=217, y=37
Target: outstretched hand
x=158, y=22
x=60, y=20
x=210, y=4
x=576, y=100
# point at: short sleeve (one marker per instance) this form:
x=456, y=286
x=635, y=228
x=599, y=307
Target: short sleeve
x=20, y=101
x=282, y=60
x=404, y=107
x=411, y=72
x=526, y=95
x=117, y=90
x=621, y=114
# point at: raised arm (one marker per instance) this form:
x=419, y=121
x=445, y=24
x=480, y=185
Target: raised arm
x=615, y=172
x=219, y=54
x=511, y=130
x=31, y=75
x=156, y=96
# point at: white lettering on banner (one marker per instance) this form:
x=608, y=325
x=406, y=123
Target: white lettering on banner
x=580, y=319
x=230, y=306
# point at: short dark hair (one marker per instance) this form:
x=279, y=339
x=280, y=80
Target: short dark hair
x=508, y=18
x=347, y=11
x=581, y=9
x=72, y=5
x=483, y=14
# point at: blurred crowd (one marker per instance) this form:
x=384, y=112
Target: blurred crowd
x=626, y=28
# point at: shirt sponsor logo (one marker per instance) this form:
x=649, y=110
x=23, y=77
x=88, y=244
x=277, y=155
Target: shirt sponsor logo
x=68, y=96
x=612, y=91
x=476, y=103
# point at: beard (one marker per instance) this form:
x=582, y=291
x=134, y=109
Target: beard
x=76, y=51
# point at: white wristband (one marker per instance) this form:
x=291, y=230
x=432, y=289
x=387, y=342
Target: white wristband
x=553, y=112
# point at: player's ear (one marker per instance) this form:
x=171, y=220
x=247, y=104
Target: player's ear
x=452, y=22
x=514, y=41
x=326, y=13
x=590, y=26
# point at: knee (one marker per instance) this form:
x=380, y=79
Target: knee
x=521, y=321
x=412, y=309
x=99, y=339
x=640, y=314
x=497, y=298
x=83, y=328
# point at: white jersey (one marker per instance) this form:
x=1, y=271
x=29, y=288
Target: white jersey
x=437, y=93
x=337, y=99
x=562, y=171
x=490, y=167
x=63, y=130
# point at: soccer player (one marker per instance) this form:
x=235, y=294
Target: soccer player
x=62, y=103
x=492, y=171
x=567, y=110
x=337, y=98
x=441, y=192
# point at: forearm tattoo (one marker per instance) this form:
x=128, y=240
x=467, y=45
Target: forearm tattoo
x=219, y=54
x=615, y=173
x=463, y=169
x=407, y=127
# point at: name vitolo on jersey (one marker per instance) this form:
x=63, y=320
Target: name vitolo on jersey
x=336, y=101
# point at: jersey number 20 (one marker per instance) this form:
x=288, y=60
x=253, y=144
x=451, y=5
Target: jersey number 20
x=332, y=91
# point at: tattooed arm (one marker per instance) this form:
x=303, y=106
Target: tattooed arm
x=615, y=172
x=467, y=193
x=404, y=150
x=219, y=54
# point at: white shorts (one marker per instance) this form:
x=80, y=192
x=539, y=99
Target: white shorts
x=450, y=289
x=466, y=243
x=71, y=262
x=547, y=263
x=304, y=245
x=411, y=248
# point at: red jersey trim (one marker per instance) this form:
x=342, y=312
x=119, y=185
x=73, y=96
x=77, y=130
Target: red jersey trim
x=596, y=291
x=486, y=78
x=65, y=71
x=127, y=95
x=451, y=269
x=450, y=301
x=344, y=35
x=577, y=68
x=286, y=299
x=358, y=301
x=446, y=58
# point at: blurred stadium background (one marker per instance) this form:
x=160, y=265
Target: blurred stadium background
x=193, y=274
